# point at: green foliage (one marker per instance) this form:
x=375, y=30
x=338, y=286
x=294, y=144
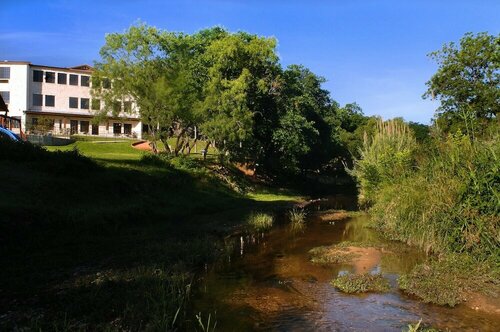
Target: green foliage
x=186, y=162
x=386, y=157
x=291, y=139
x=361, y=283
x=465, y=177
x=230, y=89
x=260, y=221
x=467, y=83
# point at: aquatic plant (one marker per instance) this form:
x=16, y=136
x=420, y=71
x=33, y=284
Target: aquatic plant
x=361, y=283
x=297, y=216
x=210, y=324
x=297, y=220
x=260, y=221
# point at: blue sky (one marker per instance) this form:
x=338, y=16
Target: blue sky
x=371, y=52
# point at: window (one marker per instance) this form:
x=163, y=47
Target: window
x=117, y=128
x=62, y=78
x=73, y=102
x=84, y=127
x=127, y=129
x=37, y=76
x=117, y=107
x=95, y=129
x=37, y=99
x=96, y=104
x=73, y=127
x=106, y=83
x=84, y=103
x=85, y=80
x=73, y=79
x=50, y=77
x=127, y=106
x=5, y=96
x=4, y=73
x=50, y=100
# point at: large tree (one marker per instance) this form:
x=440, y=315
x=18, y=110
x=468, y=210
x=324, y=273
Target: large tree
x=467, y=83
x=241, y=69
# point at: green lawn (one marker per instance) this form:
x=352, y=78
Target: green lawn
x=113, y=150
x=119, y=152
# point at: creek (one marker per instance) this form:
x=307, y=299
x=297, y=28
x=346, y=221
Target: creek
x=266, y=281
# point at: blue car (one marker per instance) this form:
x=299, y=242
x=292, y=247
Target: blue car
x=7, y=134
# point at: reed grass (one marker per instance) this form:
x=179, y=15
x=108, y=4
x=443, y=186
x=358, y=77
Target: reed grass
x=260, y=221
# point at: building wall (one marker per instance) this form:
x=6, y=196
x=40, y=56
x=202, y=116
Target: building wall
x=61, y=92
x=62, y=125
x=17, y=86
x=22, y=88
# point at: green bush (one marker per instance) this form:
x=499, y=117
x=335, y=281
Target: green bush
x=385, y=158
x=451, y=204
x=186, y=162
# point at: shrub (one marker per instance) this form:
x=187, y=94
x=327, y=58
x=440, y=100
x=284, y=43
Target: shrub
x=451, y=204
x=385, y=158
x=186, y=162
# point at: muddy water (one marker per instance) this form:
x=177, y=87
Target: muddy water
x=267, y=282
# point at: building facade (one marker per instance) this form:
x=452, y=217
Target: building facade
x=57, y=100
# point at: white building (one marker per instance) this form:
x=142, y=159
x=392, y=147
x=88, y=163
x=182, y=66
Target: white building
x=59, y=99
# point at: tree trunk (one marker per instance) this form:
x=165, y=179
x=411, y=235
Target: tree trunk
x=206, y=150
x=190, y=147
x=179, y=139
x=165, y=144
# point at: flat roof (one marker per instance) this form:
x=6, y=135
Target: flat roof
x=79, y=69
x=14, y=62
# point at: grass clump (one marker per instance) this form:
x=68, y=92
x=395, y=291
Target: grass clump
x=331, y=255
x=361, y=283
x=448, y=280
x=297, y=220
x=297, y=216
x=260, y=221
x=419, y=328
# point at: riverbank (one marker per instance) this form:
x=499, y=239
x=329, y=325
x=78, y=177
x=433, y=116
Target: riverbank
x=111, y=242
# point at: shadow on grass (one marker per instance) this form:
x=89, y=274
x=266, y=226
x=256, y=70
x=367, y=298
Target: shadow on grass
x=91, y=247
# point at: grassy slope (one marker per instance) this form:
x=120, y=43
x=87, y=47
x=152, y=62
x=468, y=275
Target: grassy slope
x=92, y=245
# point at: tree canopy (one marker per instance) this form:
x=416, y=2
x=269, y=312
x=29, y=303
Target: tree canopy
x=228, y=87
x=467, y=83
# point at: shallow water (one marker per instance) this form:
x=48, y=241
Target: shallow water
x=267, y=282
